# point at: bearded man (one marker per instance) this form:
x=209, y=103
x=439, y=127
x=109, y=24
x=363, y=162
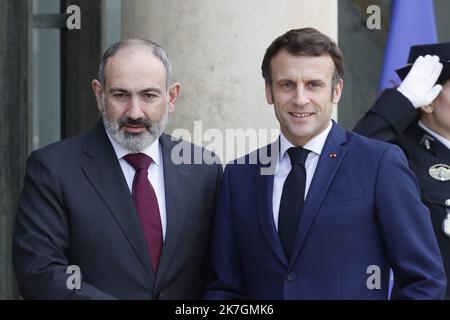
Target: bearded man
x=112, y=214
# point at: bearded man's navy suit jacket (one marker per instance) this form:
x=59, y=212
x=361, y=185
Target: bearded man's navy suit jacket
x=76, y=209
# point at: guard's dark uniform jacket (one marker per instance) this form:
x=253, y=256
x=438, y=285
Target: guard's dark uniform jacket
x=394, y=119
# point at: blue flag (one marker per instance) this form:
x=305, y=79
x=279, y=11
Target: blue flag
x=411, y=22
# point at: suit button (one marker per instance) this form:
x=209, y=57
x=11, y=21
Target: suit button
x=291, y=277
x=156, y=296
x=447, y=202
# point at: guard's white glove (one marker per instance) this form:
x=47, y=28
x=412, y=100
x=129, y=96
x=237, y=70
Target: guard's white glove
x=419, y=85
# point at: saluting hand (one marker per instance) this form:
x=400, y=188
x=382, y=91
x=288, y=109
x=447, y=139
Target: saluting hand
x=419, y=85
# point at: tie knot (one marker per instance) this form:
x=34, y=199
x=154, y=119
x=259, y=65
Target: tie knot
x=297, y=155
x=138, y=160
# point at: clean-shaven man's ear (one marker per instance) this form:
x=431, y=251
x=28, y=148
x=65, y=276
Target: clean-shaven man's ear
x=174, y=90
x=337, y=91
x=269, y=96
x=98, y=91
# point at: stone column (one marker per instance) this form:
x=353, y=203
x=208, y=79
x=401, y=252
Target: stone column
x=217, y=49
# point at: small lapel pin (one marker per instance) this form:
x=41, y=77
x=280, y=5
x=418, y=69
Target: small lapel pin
x=333, y=155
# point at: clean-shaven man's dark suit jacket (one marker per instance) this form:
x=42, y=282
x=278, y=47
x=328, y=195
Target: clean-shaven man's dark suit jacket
x=362, y=210
x=76, y=209
x=394, y=119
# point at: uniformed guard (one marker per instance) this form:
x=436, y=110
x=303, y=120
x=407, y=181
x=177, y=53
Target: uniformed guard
x=416, y=116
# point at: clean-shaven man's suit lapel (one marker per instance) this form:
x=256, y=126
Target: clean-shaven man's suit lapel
x=325, y=171
x=99, y=183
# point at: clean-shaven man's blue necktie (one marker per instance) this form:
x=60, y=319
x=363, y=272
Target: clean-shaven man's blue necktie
x=292, y=199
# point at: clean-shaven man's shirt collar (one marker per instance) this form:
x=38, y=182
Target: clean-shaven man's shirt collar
x=152, y=150
x=314, y=145
x=443, y=140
